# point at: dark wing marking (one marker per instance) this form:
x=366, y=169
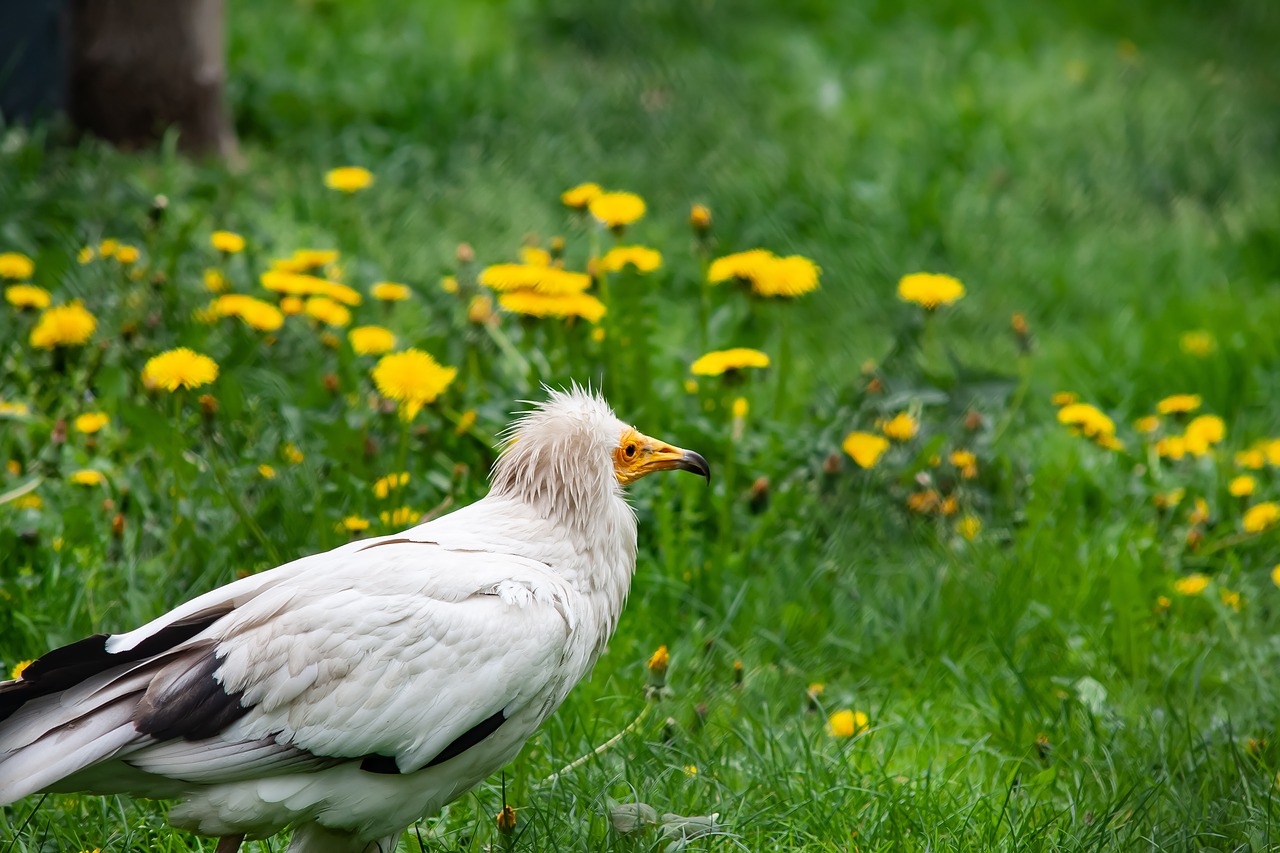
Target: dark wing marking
x=185, y=700
x=69, y=665
x=472, y=736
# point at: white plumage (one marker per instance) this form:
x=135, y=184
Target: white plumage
x=349, y=693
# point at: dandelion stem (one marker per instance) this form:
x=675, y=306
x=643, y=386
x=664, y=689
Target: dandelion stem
x=601, y=749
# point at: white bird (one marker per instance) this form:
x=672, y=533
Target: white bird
x=349, y=693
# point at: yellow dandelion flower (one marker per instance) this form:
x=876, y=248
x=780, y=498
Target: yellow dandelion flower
x=292, y=454
x=1171, y=447
x=449, y=284
x=691, y=386
x=700, y=218
x=597, y=334
x=179, y=368
x=348, y=179
x=1064, y=398
x=1261, y=517
x=85, y=255
x=1087, y=418
x=865, y=448
x=969, y=527
x=740, y=408
x=1198, y=343
x=390, y=291
x=659, y=660
x=127, y=254
x=1178, y=404
x=27, y=296
x=255, y=312
x=383, y=486
x=740, y=265
x=108, y=247
x=580, y=196
x=1272, y=450
x=354, y=524
x=723, y=361
x=371, y=340
x=91, y=422
x=400, y=517
x=1147, y=425
x=465, y=422
x=1108, y=442
x=291, y=305
x=924, y=502
x=535, y=256
x=1193, y=584
x=29, y=501
x=848, y=723
x=15, y=265
x=18, y=669
x=617, y=210
x=536, y=304
x=549, y=281
x=1203, y=432
x=215, y=281
x=930, y=290
x=14, y=410
x=267, y=472
x=1231, y=599
x=87, y=477
x=966, y=462
x=785, y=277
x=327, y=311
x=1254, y=459
x=14, y=467
x=1275, y=574
x=641, y=258
x=1241, y=486
x=691, y=770
x=227, y=241
x=63, y=326
x=1170, y=499
x=901, y=427
x=412, y=378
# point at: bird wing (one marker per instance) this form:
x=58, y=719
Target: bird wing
x=399, y=652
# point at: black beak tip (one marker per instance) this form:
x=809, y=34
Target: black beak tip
x=696, y=463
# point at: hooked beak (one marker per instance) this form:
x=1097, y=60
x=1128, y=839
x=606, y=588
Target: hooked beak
x=665, y=458
x=652, y=455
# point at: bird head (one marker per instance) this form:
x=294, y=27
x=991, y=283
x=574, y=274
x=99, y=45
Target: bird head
x=572, y=447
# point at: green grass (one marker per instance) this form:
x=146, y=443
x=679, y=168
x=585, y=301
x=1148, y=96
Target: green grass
x=1110, y=173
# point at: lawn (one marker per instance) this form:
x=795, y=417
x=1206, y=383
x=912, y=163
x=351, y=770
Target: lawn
x=1016, y=620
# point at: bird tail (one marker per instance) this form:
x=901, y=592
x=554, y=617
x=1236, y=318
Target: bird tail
x=49, y=737
x=78, y=705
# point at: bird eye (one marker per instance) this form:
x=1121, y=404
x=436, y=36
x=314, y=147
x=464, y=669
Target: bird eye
x=629, y=451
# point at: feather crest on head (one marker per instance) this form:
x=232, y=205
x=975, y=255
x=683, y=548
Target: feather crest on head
x=558, y=455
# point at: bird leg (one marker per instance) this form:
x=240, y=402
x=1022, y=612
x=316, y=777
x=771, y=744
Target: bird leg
x=229, y=843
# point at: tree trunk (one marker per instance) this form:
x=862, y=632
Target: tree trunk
x=139, y=67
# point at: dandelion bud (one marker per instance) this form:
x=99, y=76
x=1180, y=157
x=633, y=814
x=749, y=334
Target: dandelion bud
x=700, y=219
x=1256, y=746
x=1019, y=325
x=59, y=434
x=506, y=820
x=875, y=386
x=1194, y=537
x=738, y=674
x=814, y=696
x=973, y=421
x=1043, y=746
x=557, y=248
x=658, y=672
x=465, y=255
x=208, y=405
x=480, y=311
x=117, y=525
x=331, y=383
x=759, y=495
x=833, y=464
